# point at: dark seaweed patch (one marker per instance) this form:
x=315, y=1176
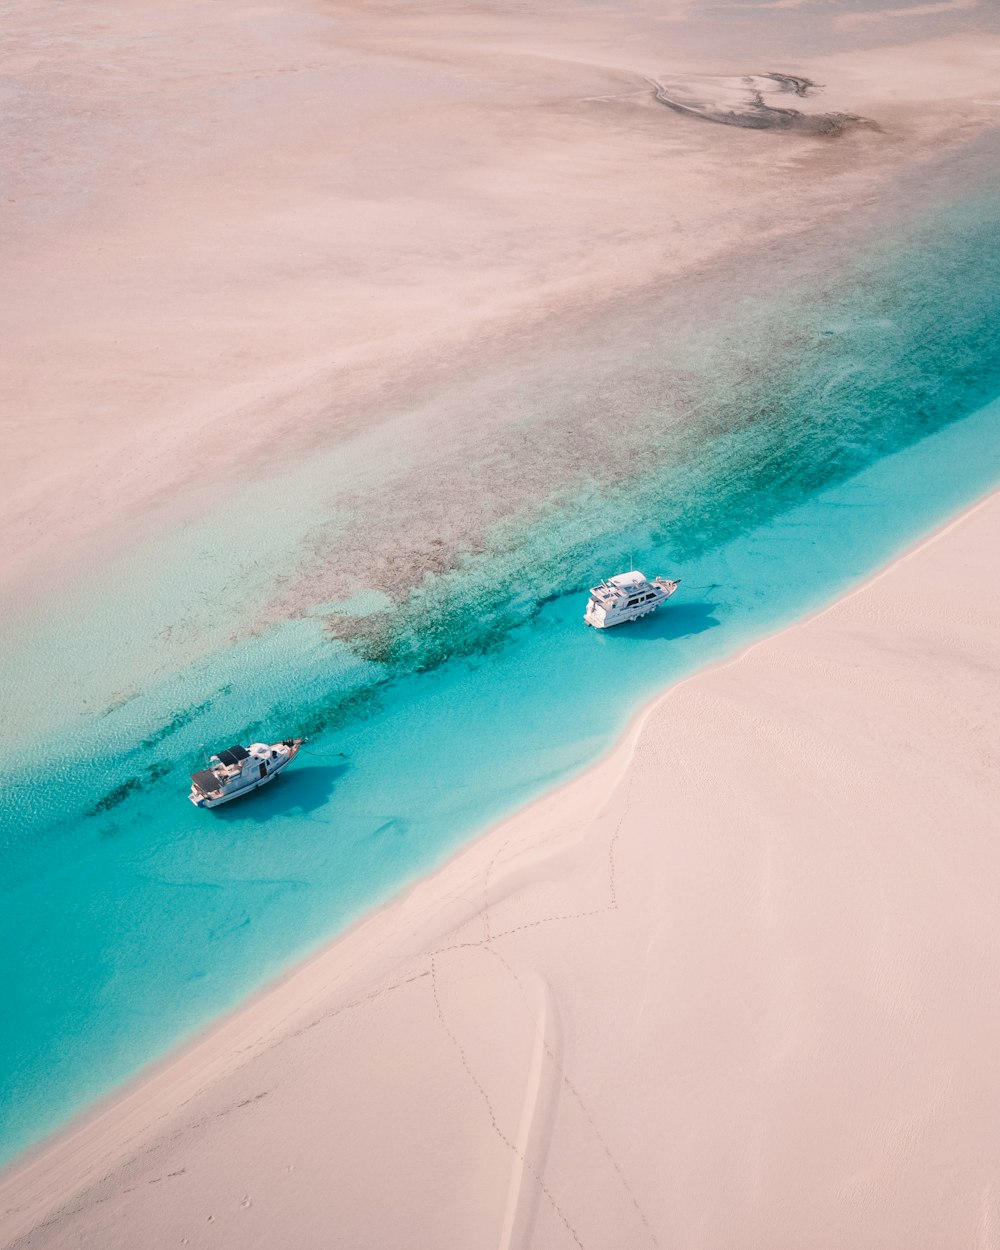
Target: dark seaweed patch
x=133, y=785
x=345, y=628
x=341, y=708
x=177, y=722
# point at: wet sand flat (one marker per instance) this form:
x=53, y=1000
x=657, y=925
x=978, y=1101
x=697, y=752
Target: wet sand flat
x=234, y=234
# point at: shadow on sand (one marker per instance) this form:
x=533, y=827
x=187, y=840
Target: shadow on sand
x=300, y=790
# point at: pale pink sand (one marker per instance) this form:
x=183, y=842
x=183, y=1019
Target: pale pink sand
x=238, y=231
x=739, y=985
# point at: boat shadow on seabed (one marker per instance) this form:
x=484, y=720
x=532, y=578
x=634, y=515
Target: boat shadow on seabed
x=672, y=621
x=300, y=790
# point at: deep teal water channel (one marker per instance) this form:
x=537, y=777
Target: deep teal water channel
x=129, y=918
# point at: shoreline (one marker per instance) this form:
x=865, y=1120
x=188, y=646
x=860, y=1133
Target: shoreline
x=261, y=1020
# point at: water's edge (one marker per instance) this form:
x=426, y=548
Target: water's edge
x=175, y=1057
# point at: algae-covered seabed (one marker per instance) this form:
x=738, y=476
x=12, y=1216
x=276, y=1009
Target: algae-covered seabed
x=768, y=423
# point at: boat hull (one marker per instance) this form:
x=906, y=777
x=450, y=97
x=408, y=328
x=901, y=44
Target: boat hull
x=237, y=793
x=621, y=618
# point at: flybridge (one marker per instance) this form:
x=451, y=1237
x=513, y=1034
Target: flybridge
x=233, y=755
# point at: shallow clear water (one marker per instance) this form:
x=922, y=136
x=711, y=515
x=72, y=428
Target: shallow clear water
x=833, y=427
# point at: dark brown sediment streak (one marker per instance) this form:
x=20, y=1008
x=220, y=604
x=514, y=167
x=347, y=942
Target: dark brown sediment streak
x=792, y=82
x=755, y=113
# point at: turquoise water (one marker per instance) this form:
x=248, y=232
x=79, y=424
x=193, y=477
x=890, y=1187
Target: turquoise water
x=833, y=427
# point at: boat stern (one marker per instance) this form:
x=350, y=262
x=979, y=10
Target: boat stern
x=595, y=615
x=205, y=785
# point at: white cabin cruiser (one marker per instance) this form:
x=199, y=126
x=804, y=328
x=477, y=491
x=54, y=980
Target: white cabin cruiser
x=626, y=597
x=241, y=770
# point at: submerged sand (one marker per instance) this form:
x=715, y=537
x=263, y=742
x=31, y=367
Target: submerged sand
x=737, y=985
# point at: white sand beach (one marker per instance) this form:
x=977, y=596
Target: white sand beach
x=736, y=986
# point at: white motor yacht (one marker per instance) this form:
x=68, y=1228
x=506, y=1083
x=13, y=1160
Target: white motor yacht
x=241, y=770
x=626, y=597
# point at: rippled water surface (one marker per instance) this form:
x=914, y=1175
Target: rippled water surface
x=769, y=461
